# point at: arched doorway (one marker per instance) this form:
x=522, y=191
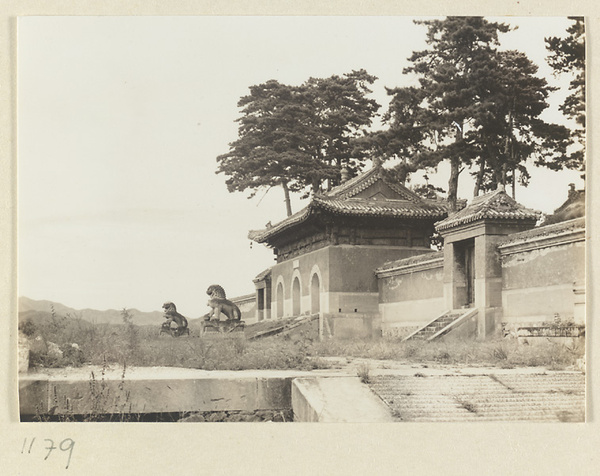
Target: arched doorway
x=296, y=297
x=315, y=294
x=279, y=297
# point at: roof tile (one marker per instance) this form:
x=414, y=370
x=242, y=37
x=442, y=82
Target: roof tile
x=493, y=205
x=342, y=200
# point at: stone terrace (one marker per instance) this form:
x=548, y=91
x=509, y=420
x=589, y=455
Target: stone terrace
x=397, y=391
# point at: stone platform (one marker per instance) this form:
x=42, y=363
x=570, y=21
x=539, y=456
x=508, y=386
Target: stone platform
x=396, y=392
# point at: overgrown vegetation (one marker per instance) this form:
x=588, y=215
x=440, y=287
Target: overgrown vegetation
x=70, y=341
x=504, y=353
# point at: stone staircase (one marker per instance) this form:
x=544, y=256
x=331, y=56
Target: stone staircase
x=296, y=322
x=441, y=325
x=502, y=395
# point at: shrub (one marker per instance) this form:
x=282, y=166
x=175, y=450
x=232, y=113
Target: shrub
x=28, y=328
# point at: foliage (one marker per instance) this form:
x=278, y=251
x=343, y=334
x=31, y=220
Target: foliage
x=453, y=76
x=405, y=135
x=28, y=328
x=512, y=131
x=476, y=106
x=567, y=56
x=298, y=137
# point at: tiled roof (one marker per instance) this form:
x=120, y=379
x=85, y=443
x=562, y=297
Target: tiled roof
x=391, y=208
x=343, y=200
x=573, y=207
x=495, y=205
x=356, y=184
x=263, y=275
x=363, y=181
x=261, y=235
x=357, y=207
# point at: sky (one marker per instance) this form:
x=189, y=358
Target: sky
x=120, y=121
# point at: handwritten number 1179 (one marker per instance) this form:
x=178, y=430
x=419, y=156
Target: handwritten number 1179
x=65, y=445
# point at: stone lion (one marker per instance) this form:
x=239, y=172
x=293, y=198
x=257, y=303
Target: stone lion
x=173, y=317
x=219, y=304
x=216, y=291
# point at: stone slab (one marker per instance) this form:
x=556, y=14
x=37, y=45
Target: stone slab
x=110, y=396
x=336, y=400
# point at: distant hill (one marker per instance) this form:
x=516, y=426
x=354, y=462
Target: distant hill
x=30, y=307
x=40, y=318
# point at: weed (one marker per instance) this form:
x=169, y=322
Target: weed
x=499, y=352
x=364, y=372
x=442, y=356
x=466, y=404
x=566, y=416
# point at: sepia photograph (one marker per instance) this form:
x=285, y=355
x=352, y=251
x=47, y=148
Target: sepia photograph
x=301, y=219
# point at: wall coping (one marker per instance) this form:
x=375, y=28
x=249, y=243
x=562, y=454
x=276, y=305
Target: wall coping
x=544, y=237
x=407, y=268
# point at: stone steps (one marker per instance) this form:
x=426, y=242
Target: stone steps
x=535, y=397
x=434, y=327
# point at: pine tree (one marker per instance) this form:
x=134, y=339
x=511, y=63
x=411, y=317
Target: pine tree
x=405, y=135
x=477, y=106
x=298, y=137
x=343, y=114
x=567, y=56
x=512, y=132
x=270, y=150
x=453, y=75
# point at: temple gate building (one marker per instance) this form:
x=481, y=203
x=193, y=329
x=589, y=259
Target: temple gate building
x=327, y=252
x=359, y=256
x=498, y=273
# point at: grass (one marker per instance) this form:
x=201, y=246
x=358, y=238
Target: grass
x=130, y=345
x=502, y=353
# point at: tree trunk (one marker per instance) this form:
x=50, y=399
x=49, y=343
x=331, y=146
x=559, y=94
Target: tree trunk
x=316, y=186
x=453, y=182
x=288, y=203
x=507, y=149
x=402, y=174
x=514, y=182
x=479, y=178
x=454, y=171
